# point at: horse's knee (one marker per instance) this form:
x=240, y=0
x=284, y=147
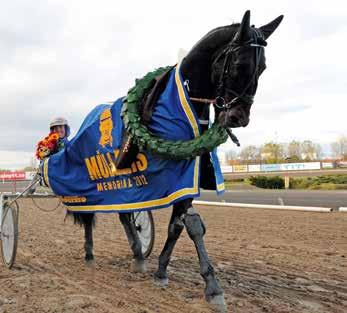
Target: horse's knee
x=136, y=246
x=175, y=229
x=194, y=224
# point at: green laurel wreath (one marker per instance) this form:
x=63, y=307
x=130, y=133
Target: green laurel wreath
x=166, y=149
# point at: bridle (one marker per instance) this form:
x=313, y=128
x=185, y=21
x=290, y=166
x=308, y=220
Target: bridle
x=258, y=42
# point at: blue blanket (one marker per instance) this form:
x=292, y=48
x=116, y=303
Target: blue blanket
x=84, y=174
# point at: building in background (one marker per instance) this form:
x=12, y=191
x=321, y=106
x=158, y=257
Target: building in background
x=309, y=156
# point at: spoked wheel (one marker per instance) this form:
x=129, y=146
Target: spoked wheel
x=144, y=224
x=9, y=234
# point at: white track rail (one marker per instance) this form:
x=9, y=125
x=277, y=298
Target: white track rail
x=343, y=209
x=265, y=206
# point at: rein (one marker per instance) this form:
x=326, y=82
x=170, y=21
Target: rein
x=202, y=100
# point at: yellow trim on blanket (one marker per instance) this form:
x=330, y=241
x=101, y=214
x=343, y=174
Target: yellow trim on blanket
x=184, y=102
x=146, y=204
x=135, y=206
x=221, y=187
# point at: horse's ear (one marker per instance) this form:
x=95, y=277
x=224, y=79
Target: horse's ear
x=268, y=29
x=244, y=32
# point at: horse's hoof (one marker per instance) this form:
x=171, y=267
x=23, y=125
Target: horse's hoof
x=217, y=303
x=90, y=262
x=139, y=266
x=161, y=282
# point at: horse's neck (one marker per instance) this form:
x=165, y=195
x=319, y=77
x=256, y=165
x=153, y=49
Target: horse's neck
x=198, y=75
x=198, y=86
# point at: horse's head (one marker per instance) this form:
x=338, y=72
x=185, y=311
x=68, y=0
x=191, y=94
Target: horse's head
x=230, y=59
x=236, y=69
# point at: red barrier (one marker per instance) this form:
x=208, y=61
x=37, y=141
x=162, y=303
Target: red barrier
x=12, y=175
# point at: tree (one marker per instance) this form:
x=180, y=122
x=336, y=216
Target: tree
x=231, y=155
x=294, y=150
x=319, y=151
x=339, y=148
x=250, y=153
x=308, y=150
x=272, y=152
x=293, y=159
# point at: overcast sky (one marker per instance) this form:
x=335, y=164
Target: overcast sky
x=61, y=58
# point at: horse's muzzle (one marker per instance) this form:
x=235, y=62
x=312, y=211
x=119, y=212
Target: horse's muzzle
x=233, y=118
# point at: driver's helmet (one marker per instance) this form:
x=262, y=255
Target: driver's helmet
x=59, y=121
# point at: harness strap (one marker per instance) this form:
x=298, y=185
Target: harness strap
x=204, y=122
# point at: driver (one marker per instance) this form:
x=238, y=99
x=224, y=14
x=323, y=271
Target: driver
x=51, y=144
x=61, y=126
x=56, y=139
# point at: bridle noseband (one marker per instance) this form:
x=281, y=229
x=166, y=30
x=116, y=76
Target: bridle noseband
x=258, y=42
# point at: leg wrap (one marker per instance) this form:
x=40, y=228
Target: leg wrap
x=133, y=238
x=175, y=229
x=196, y=230
x=194, y=224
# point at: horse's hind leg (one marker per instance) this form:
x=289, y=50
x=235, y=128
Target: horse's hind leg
x=174, y=231
x=196, y=230
x=139, y=264
x=88, y=220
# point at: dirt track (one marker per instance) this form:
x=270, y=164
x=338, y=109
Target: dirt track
x=266, y=261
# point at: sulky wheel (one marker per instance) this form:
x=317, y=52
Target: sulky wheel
x=9, y=234
x=144, y=224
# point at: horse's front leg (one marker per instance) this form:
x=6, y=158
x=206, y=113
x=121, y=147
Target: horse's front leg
x=139, y=264
x=174, y=231
x=196, y=230
x=88, y=221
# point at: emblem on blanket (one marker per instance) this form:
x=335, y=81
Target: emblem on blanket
x=106, y=126
x=102, y=166
x=84, y=174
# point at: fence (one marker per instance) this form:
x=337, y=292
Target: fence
x=250, y=168
x=283, y=167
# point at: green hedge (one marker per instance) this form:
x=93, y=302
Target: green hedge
x=320, y=182
x=326, y=182
x=273, y=182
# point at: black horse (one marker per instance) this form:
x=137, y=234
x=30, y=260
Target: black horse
x=223, y=69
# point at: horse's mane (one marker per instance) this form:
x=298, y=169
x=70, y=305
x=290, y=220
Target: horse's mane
x=215, y=39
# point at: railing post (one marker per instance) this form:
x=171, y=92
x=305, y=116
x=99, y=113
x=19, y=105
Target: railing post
x=287, y=181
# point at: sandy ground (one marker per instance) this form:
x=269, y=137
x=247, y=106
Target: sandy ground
x=266, y=261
